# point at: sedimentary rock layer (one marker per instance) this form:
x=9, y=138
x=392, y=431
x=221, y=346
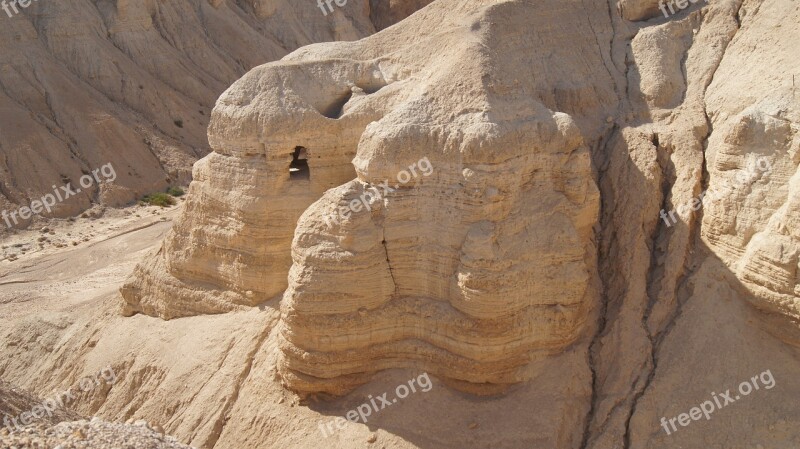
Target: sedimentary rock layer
x=471, y=270
x=132, y=83
x=753, y=159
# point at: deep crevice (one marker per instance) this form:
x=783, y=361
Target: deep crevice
x=681, y=293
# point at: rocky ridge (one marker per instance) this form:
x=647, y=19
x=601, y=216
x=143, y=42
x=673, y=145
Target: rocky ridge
x=539, y=150
x=85, y=83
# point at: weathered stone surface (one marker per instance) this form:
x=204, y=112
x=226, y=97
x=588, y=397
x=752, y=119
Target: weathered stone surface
x=132, y=83
x=510, y=197
x=385, y=13
x=753, y=158
x=539, y=257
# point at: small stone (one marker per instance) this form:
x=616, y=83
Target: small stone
x=473, y=425
x=140, y=423
x=79, y=434
x=45, y=229
x=372, y=438
x=609, y=119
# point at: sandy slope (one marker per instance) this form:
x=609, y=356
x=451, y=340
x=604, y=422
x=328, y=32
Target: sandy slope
x=75, y=289
x=84, y=83
x=49, y=277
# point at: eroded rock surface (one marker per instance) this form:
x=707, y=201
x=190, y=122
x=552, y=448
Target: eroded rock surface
x=510, y=196
x=557, y=250
x=86, y=83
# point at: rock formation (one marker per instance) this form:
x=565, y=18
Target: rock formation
x=132, y=83
x=558, y=246
x=15, y=401
x=510, y=197
x=385, y=13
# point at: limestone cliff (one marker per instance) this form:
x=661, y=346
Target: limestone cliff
x=598, y=235
x=496, y=241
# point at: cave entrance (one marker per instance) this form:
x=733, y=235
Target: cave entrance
x=298, y=169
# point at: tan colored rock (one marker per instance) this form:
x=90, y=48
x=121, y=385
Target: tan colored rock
x=754, y=155
x=474, y=272
x=440, y=280
x=14, y=401
x=385, y=13
x=636, y=10
x=438, y=250
x=133, y=83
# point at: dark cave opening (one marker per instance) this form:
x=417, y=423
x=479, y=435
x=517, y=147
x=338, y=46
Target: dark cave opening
x=298, y=169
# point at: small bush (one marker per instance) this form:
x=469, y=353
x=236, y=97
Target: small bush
x=159, y=199
x=178, y=123
x=176, y=191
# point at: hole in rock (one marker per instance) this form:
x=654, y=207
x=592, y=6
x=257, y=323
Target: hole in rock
x=334, y=110
x=370, y=87
x=298, y=169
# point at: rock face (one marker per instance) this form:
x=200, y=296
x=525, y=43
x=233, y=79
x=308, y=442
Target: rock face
x=585, y=205
x=753, y=159
x=492, y=234
x=385, y=13
x=471, y=289
x=14, y=401
x=132, y=83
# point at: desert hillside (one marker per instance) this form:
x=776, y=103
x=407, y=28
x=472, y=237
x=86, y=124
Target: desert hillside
x=549, y=224
x=87, y=83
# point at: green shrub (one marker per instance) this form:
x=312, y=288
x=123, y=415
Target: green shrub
x=175, y=191
x=159, y=199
